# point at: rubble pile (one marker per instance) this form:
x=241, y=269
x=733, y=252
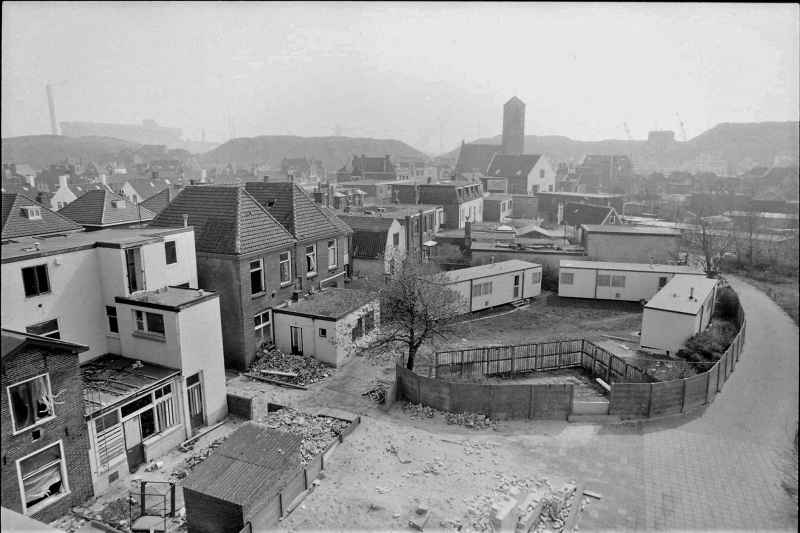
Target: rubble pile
x=195, y=459
x=376, y=394
x=556, y=509
x=317, y=431
x=307, y=370
x=469, y=420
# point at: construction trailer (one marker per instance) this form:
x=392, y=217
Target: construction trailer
x=601, y=280
x=486, y=286
x=680, y=310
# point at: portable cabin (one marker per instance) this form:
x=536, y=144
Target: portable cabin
x=679, y=310
x=485, y=286
x=602, y=280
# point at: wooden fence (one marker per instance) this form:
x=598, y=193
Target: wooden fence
x=645, y=400
x=524, y=358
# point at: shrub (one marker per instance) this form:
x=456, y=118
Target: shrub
x=710, y=344
x=727, y=307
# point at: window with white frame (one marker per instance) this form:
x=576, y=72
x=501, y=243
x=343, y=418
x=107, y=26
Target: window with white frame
x=109, y=443
x=285, y=267
x=332, y=253
x=256, y=276
x=567, y=278
x=43, y=477
x=48, y=328
x=311, y=260
x=31, y=402
x=261, y=326
x=165, y=407
x=152, y=323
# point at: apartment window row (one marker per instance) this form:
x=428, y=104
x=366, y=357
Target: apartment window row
x=606, y=280
x=481, y=289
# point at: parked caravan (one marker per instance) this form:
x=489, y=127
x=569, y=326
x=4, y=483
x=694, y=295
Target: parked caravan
x=681, y=309
x=485, y=286
x=601, y=280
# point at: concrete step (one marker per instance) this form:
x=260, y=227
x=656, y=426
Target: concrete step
x=520, y=303
x=595, y=419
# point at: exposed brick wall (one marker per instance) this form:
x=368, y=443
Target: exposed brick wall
x=68, y=426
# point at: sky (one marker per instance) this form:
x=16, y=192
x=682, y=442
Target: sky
x=431, y=75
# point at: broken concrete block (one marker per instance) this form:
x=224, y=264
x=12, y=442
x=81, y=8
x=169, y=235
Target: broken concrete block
x=418, y=521
x=503, y=516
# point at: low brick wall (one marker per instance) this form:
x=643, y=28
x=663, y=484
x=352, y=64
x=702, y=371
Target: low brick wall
x=496, y=401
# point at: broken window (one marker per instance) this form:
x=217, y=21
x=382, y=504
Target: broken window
x=256, y=277
x=43, y=477
x=35, y=280
x=311, y=259
x=48, y=328
x=111, y=314
x=285, y=267
x=261, y=326
x=31, y=402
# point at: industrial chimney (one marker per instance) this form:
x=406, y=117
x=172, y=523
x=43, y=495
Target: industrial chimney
x=52, y=105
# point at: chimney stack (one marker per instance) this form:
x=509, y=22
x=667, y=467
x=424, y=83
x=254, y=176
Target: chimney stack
x=185, y=220
x=266, y=179
x=691, y=293
x=62, y=181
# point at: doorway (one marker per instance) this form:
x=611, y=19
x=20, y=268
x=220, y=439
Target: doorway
x=297, y=340
x=516, y=285
x=194, y=393
x=134, y=448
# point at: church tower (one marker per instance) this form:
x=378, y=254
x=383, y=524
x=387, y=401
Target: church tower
x=514, y=127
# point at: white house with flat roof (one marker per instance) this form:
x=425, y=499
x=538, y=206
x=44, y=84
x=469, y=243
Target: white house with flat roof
x=328, y=325
x=154, y=372
x=485, y=286
x=678, y=311
x=603, y=280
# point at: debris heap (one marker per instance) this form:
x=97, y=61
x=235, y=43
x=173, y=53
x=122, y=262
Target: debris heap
x=317, y=431
x=195, y=459
x=470, y=420
x=295, y=369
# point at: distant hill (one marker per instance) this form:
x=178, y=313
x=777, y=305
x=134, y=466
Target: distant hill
x=739, y=146
x=39, y=151
x=334, y=152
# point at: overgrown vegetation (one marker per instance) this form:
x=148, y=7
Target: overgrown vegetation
x=709, y=346
x=781, y=285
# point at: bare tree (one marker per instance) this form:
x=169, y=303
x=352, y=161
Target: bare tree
x=415, y=307
x=709, y=238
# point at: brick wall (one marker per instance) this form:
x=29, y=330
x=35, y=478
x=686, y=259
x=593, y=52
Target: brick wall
x=206, y=514
x=68, y=426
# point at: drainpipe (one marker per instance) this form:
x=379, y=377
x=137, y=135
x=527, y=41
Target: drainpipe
x=421, y=238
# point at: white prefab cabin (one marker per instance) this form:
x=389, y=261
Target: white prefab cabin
x=602, y=280
x=485, y=286
x=681, y=309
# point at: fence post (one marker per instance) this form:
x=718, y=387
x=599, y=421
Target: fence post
x=172, y=498
x=280, y=503
x=608, y=374
x=513, y=360
x=436, y=364
x=530, y=401
x=650, y=402
x=683, y=397
x=719, y=373
x=305, y=479
x=141, y=490
x=708, y=384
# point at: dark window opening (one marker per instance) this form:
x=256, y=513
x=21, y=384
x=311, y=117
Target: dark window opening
x=170, y=252
x=35, y=280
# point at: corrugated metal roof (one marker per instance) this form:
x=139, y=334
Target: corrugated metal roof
x=631, y=267
x=493, y=269
x=253, y=463
x=674, y=296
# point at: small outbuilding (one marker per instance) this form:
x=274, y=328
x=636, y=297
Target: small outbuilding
x=680, y=310
x=485, y=286
x=630, y=282
x=327, y=325
x=242, y=481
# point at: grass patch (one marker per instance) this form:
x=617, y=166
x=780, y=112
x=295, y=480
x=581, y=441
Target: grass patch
x=782, y=288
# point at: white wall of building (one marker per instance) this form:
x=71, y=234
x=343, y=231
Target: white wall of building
x=666, y=331
x=542, y=175
x=472, y=209
x=638, y=285
x=74, y=299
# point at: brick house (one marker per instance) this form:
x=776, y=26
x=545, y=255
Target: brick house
x=243, y=254
x=368, y=167
x=322, y=251
x=460, y=200
x=44, y=437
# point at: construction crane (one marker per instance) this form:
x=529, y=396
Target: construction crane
x=683, y=129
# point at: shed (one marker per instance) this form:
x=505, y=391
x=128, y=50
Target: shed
x=327, y=325
x=242, y=481
x=485, y=286
x=627, y=243
x=681, y=309
x=604, y=280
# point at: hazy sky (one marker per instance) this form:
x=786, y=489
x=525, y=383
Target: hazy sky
x=428, y=74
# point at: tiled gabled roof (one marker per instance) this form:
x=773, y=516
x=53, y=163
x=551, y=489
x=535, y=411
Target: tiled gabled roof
x=476, y=157
x=579, y=214
x=159, y=201
x=227, y=220
x=297, y=211
x=17, y=224
x=96, y=209
x=511, y=166
x=147, y=187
